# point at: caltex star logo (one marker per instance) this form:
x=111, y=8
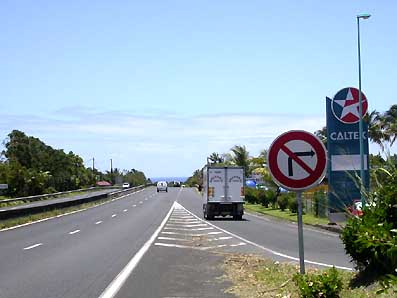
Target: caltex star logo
x=345, y=105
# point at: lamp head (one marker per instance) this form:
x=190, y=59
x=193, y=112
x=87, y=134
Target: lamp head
x=363, y=16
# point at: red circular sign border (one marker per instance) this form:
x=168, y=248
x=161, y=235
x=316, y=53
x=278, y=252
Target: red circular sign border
x=319, y=170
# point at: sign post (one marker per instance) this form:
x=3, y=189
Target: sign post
x=297, y=161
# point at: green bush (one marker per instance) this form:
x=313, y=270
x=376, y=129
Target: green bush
x=272, y=197
x=327, y=285
x=293, y=205
x=320, y=203
x=251, y=195
x=371, y=240
x=263, y=198
x=282, y=201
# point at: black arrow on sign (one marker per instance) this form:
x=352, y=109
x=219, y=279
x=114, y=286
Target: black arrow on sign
x=304, y=153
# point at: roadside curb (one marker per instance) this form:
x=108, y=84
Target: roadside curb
x=332, y=228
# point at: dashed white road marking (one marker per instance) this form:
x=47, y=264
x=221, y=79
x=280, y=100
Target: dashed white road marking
x=33, y=246
x=114, y=215
x=133, y=205
x=140, y=202
x=145, y=199
x=125, y=210
x=74, y=232
x=98, y=222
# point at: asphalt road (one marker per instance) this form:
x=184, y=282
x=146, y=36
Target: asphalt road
x=80, y=255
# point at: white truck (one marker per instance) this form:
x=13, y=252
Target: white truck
x=223, y=192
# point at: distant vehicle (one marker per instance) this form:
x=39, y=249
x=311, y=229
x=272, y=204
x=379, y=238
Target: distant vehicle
x=162, y=186
x=356, y=209
x=126, y=185
x=177, y=184
x=223, y=192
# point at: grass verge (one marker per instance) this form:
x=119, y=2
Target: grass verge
x=253, y=277
x=287, y=215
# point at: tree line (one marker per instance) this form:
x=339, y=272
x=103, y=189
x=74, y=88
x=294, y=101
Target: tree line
x=30, y=167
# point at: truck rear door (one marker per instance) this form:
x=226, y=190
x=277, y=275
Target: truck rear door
x=216, y=184
x=235, y=185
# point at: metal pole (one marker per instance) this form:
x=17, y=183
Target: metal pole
x=111, y=166
x=360, y=111
x=93, y=165
x=300, y=233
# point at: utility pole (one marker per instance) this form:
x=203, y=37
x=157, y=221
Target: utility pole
x=93, y=164
x=111, y=166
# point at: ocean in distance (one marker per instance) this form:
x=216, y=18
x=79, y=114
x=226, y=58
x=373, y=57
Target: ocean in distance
x=168, y=179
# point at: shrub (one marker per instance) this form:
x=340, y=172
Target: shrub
x=293, y=204
x=263, y=198
x=272, y=197
x=327, y=285
x=371, y=240
x=320, y=203
x=282, y=201
x=251, y=195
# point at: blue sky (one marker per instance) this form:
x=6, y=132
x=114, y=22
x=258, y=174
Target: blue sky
x=159, y=85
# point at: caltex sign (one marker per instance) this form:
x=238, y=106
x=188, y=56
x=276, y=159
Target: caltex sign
x=343, y=144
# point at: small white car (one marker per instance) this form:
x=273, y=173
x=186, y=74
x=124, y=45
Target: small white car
x=126, y=185
x=162, y=186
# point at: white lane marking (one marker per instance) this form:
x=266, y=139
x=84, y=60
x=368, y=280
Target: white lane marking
x=187, y=226
x=74, y=232
x=219, y=239
x=182, y=229
x=98, y=222
x=133, y=205
x=145, y=199
x=114, y=215
x=121, y=278
x=125, y=210
x=214, y=233
x=270, y=250
x=190, y=247
x=174, y=239
x=140, y=202
x=239, y=244
x=184, y=234
x=65, y=214
x=33, y=246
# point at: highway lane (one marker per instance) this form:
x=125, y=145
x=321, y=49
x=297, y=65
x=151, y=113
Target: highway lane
x=278, y=236
x=79, y=254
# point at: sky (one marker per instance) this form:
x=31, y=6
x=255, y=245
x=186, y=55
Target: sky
x=160, y=85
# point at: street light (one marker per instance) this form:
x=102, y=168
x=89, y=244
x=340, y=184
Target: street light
x=363, y=16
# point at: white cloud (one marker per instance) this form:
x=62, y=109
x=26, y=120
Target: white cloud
x=159, y=145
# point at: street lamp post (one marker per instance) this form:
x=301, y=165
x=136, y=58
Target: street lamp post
x=360, y=111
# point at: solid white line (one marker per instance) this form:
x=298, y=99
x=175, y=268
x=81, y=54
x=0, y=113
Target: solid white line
x=121, y=278
x=125, y=210
x=98, y=222
x=74, y=232
x=270, y=250
x=114, y=215
x=33, y=246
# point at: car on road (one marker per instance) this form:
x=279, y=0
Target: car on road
x=162, y=186
x=356, y=208
x=126, y=185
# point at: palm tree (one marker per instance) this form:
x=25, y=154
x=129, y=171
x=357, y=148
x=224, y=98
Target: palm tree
x=240, y=157
x=215, y=158
x=390, y=124
x=375, y=131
